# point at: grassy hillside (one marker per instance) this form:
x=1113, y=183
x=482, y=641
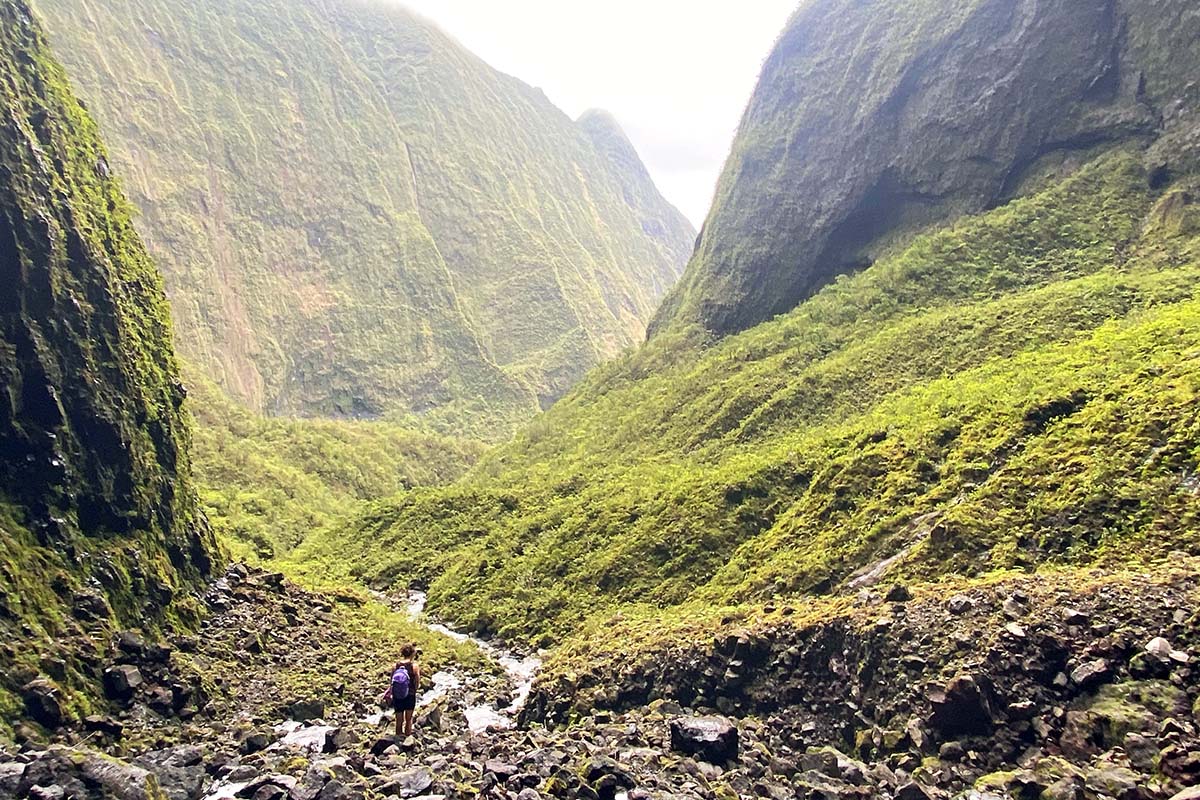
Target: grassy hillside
x=99, y=524
x=1015, y=390
x=357, y=217
x=266, y=483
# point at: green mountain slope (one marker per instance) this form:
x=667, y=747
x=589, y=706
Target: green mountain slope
x=266, y=483
x=355, y=216
x=98, y=517
x=1009, y=389
x=873, y=121
x=1018, y=389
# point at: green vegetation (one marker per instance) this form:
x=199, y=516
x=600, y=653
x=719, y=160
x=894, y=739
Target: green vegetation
x=1016, y=390
x=98, y=515
x=355, y=217
x=875, y=121
x=266, y=483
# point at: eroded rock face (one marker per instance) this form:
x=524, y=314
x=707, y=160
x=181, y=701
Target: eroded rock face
x=872, y=120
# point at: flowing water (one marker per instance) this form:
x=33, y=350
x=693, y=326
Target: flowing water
x=521, y=671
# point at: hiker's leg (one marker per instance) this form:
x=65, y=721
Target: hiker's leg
x=399, y=724
x=408, y=722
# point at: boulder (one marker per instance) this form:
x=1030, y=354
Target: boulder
x=306, y=710
x=121, y=681
x=85, y=773
x=1091, y=674
x=1073, y=616
x=131, y=643
x=410, y=783
x=10, y=777
x=712, y=739
x=500, y=769
x=335, y=790
x=180, y=771
x=309, y=787
x=97, y=723
x=913, y=791
x=42, y=704
x=269, y=787
x=960, y=604
x=600, y=767
x=256, y=742
x=1160, y=647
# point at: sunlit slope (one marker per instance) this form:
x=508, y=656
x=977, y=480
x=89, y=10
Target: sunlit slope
x=266, y=483
x=1015, y=390
x=355, y=216
x=874, y=120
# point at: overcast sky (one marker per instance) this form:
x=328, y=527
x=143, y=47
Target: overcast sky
x=676, y=73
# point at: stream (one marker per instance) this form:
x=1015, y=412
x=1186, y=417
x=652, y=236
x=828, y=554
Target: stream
x=481, y=716
x=520, y=672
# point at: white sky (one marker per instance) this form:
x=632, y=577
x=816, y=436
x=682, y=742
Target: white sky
x=677, y=74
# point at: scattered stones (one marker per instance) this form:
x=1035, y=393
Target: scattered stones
x=1015, y=720
x=961, y=708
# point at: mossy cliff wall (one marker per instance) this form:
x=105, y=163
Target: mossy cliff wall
x=874, y=120
x=98, y=517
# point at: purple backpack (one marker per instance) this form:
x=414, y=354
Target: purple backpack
x=401, y=683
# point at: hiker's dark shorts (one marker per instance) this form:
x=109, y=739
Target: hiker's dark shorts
x=405, y=703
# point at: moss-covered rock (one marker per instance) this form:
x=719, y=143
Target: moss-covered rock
x=874, y=120
x=98, y=515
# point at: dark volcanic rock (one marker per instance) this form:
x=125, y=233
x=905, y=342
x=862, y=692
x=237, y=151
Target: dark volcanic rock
x=121, y=681
x=963, y=707
x=712, y=739
x=306, y=710
x=42, y=703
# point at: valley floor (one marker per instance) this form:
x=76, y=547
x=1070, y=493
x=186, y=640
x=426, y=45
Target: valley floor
x=1070, y=685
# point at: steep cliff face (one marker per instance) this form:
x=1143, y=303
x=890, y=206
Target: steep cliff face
x=661, y=221
x=356, y=216
x=875, y=120
x=98, y=517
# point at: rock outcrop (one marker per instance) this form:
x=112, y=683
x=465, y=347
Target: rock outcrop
x=1005, y=695
x=98, y=516
x=872, y=121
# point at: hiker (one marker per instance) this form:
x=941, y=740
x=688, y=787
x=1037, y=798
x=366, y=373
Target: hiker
x=402, y=693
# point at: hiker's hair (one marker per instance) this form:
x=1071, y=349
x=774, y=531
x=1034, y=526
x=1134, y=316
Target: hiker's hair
x=408, y=651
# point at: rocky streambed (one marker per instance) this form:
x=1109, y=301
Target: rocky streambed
x=519, y=670
x=1010, y=690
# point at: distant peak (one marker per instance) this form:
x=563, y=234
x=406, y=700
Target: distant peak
x=597, y=120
